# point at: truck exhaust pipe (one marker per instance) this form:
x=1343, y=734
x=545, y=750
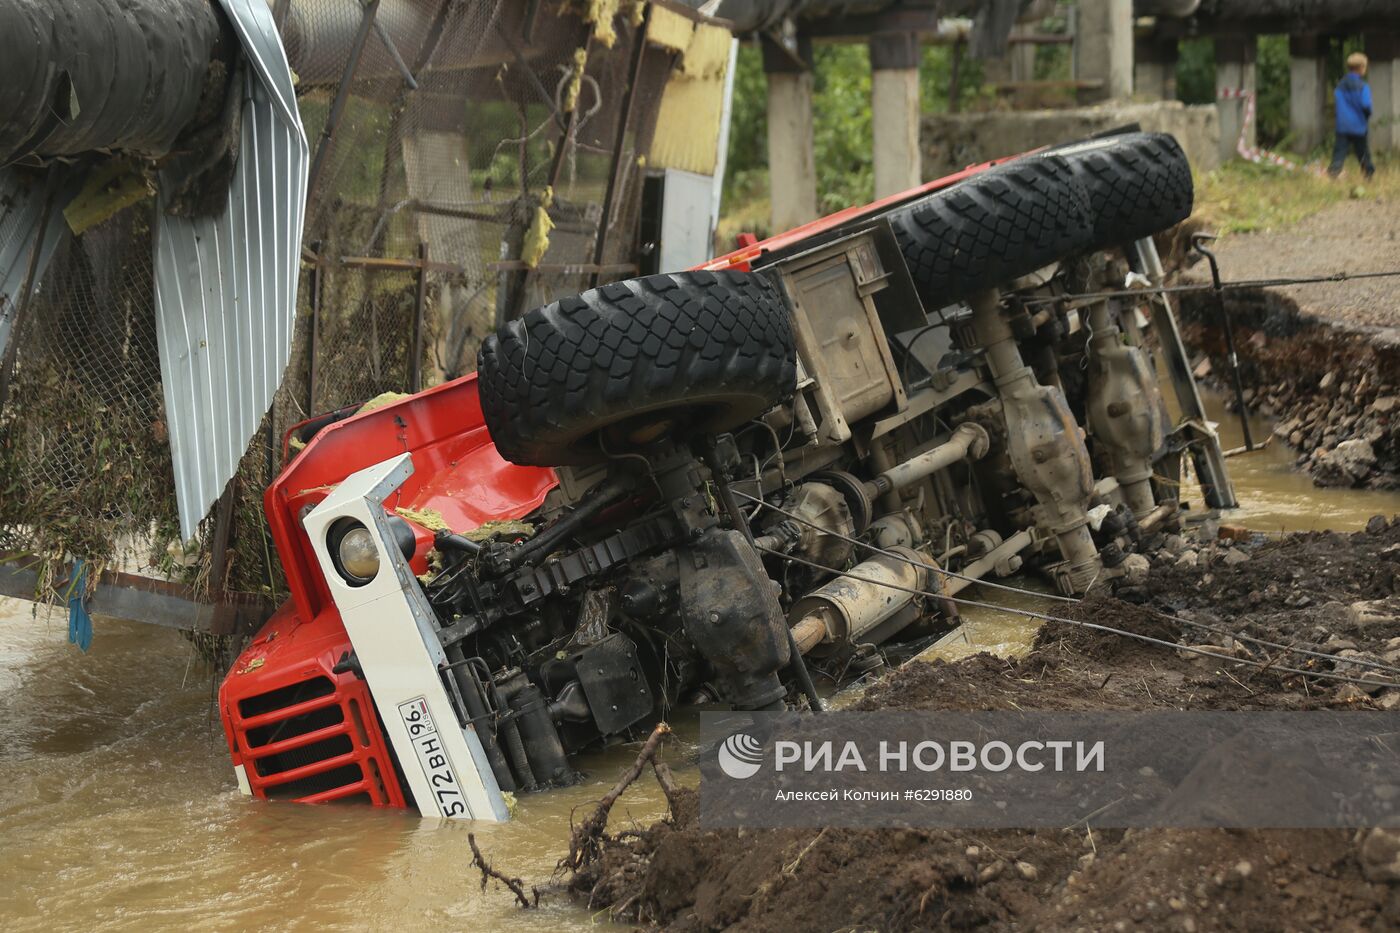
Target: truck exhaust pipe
x=845, y=608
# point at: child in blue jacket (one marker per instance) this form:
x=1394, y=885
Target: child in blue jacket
x=1353, y=116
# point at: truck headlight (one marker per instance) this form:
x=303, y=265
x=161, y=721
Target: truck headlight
x=353, y=551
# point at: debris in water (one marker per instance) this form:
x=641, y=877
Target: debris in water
x=516, y=886
x=586, y=841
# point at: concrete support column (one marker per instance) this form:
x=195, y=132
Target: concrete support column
x=1384, y=52
x=1308, y=92
x=1154, y=68
x=792, y=169
x=1234, y=72
x=1103, y=47
x=894, y=112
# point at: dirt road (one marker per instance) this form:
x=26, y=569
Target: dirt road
x=1354, y=237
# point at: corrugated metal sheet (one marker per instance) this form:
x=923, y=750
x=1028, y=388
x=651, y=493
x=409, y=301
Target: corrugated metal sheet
x=22, y=206
x=226, y=286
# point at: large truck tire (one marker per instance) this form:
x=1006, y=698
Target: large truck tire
x=1138, y=184
x=600, y=373
x=996, y=226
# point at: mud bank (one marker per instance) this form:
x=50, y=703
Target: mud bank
x=1333, y=388
x=1338, y=595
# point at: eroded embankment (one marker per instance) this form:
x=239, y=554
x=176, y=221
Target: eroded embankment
x=1333, y=389
x=1336, y=594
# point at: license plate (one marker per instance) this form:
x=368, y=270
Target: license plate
x=432, y=757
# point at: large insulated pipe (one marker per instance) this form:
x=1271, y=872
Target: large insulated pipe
x=1044, y=442
x=847, y=607
x=969, y=441
x=1329, y=11
x=129, y=75
x=137, y=76
x=1171, y=8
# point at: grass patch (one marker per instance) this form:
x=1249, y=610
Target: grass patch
x=1241, y=197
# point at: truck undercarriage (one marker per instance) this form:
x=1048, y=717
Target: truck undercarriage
x=694, y=488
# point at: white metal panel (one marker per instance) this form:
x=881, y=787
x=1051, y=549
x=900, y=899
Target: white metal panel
x=687, y=220
x=226, y=285
x=22, y=208
x=390, y=624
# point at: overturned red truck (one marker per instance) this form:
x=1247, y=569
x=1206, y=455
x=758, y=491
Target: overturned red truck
x=692, y=488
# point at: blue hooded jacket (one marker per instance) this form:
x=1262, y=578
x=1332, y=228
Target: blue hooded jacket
x=1353, y=105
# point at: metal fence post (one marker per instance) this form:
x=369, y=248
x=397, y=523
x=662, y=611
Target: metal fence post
x=415, y=368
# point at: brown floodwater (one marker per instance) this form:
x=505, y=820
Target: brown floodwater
x=118, y=807
x=118, y=810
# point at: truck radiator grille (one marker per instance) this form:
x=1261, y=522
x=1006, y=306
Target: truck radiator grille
x=312, y=741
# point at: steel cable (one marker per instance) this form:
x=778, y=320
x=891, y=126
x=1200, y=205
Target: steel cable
x=1241, y=285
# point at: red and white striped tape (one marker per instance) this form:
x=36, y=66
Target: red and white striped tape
x=1246, y=151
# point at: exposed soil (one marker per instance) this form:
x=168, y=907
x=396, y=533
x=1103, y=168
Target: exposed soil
x=1334, y=391
x=1337, y=594
x=1324, y=359
x=1358, y=236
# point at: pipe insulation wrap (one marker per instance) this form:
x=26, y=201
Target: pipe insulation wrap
x=130, y=75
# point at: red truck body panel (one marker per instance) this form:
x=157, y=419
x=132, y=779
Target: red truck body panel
x=299, y=729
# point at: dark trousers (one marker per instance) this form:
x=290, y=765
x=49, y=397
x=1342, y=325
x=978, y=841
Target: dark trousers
x=1360, y=145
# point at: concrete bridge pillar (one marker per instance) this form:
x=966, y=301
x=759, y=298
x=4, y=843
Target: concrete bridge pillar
x=792, y=169
x=1384, y=52
x=1154, y=68
x=1234, y=74
x=894, y=111
x=1308, y=92
x=1103, y=48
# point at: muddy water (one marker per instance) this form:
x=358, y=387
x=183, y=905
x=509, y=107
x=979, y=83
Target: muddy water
x=118, y=808
x=1275, y=496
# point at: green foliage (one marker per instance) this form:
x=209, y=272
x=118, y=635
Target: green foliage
x=748, y=131
x=1195, y=79
x=1195, y=71
x=841, y=134
x=1274, y=86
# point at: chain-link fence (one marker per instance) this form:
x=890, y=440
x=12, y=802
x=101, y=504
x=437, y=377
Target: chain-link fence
x=476, y=158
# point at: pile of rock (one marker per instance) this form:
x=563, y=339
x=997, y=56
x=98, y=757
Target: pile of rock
x=1334, y=390
x=1348, y=432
